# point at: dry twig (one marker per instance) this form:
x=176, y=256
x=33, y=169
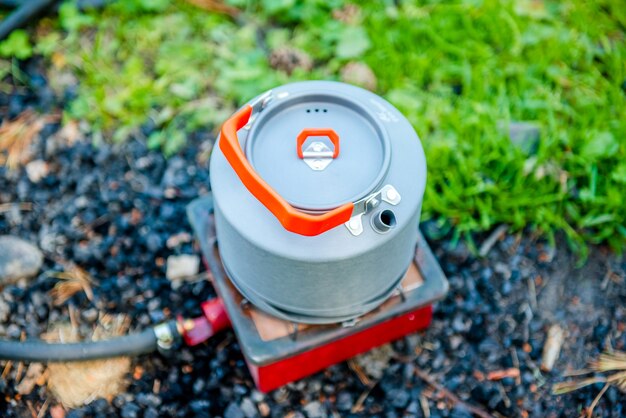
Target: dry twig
x=358, y=405
x=491, y=240
x=360, y=373
x=607, y=362
x=596, y=400
x=24, y=206
x=503, y=374
x=479, y=412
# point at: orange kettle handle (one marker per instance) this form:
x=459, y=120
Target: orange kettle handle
x=291, y=219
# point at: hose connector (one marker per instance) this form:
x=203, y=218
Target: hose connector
x=198, y=330
x=167, y=335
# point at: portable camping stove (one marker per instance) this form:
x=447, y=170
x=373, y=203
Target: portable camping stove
x=278, y=352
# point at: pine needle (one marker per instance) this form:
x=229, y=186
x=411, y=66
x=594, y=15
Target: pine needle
x=73, y=280
x=16, y=137
x=613, y=361
x=609, y=361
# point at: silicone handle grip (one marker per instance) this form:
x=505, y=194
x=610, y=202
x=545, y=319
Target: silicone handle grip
x=290, y=218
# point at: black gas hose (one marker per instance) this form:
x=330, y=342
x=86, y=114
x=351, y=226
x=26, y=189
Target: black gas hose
x=162, y=336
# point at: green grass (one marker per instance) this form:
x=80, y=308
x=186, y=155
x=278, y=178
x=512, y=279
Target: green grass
x=459, y=71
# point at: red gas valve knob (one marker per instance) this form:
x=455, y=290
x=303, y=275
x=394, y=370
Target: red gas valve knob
x=198, y=330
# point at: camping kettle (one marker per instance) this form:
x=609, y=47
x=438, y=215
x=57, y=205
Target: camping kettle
x=318, y=189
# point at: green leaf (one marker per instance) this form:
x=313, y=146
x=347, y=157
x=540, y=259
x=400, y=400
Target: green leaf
x=619, y=174
x=71, y=19
x=275, y=6
x=174, y=142
x=17, y=45
x=600, y=145
x=48, y=44
x=352, y=43
x=154, y=5
x=155, y=140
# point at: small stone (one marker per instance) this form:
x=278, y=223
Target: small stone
x=175, y=175
x=148, y=400
x=90, y=315
x=248, y=408
x=399, y=398
x=151, y=413
x=182, y=266
x=257, y=396
x=130, y=410
x=154, y=242
x=18, y=259
x=233, y=411
x=460, y=411
x=360, y=74
x=200, y=407
x=344, y=401
x=36, y=170
x=5, y=310
x=314, y=410
x=413, y=408
x=455, y=342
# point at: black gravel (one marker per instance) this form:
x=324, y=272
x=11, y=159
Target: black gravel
x=111, y=209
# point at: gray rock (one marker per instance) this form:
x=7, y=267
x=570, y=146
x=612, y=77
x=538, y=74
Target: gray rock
x=233, y=411
x=90, y=315
x=344, y=401
x=524, y=135
x=18, y=259
x=257, y=396
x=248, y=408
x=314, y=410
x=5, y=309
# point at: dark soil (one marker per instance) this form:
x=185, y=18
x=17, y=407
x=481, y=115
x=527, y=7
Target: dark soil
x=111, y=209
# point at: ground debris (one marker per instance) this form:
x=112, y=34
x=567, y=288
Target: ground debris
x=77, y=383
x=17, y=136
x=451, y=396
x=373, y=363
x=552, y=347
x=71, y=281
x=182, y=266
x=513, y=372
x=614, y=362
x=491, y=240
x=35, y=376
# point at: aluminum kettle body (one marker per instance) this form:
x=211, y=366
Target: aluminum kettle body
x=352, y=267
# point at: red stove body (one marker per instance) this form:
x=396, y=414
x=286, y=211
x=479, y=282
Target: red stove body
x=278, y=352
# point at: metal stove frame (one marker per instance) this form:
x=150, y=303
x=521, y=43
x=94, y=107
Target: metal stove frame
x=302, y=352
